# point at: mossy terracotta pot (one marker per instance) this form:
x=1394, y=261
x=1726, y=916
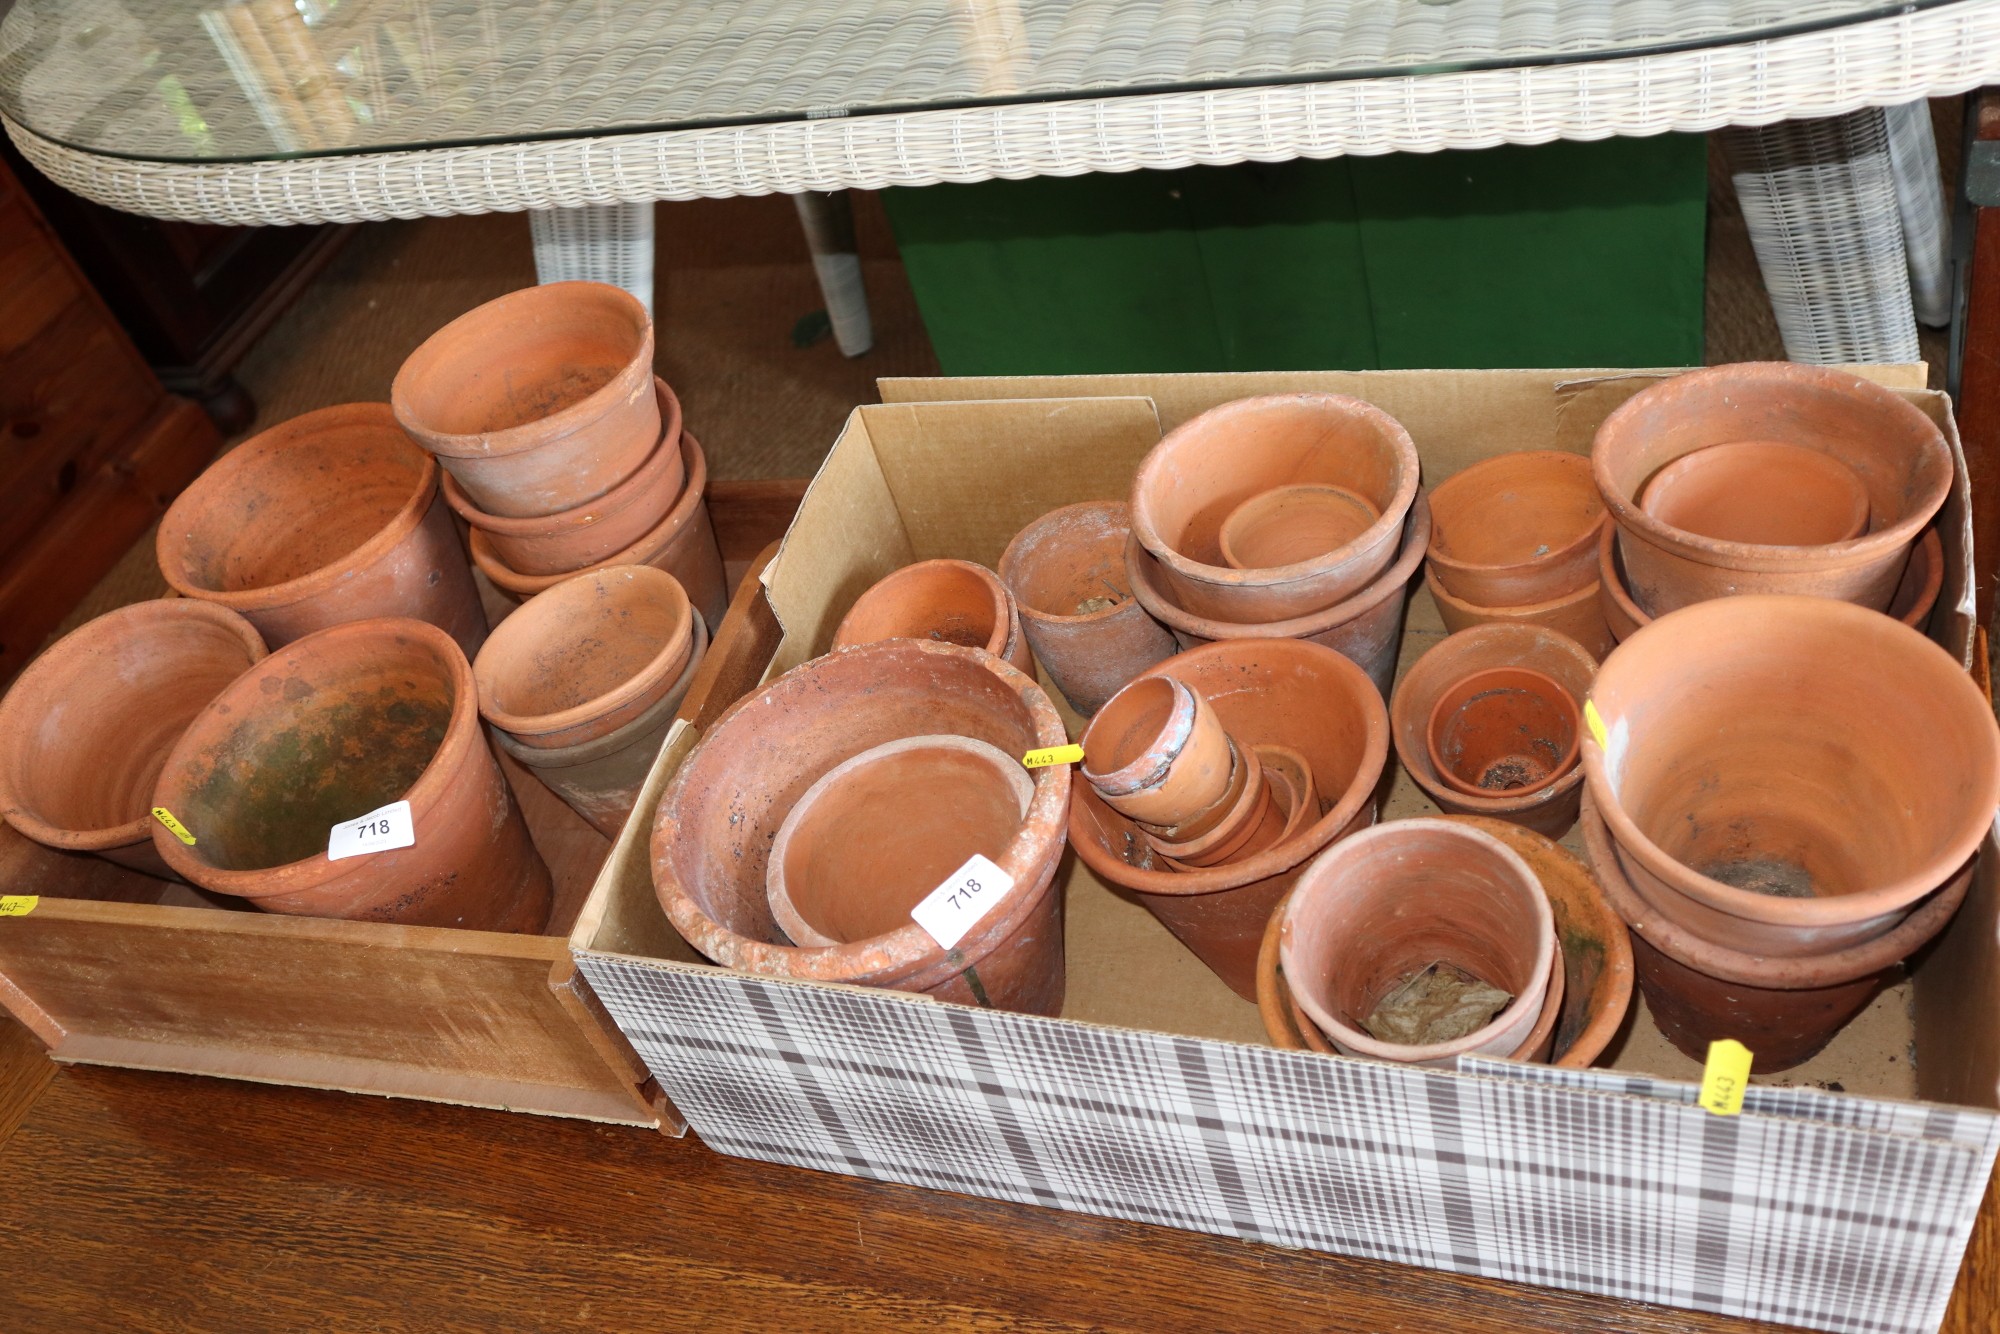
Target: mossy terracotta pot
x=945, y=601
x=1760, y=491
x=596, y=530
x=879, y=832
x=330, y=517
x=1367, y=628
x=334, y=727
x=1790, y=776
x=1291, y=525
x=1066, y=571
x=1506, y=730
x=713, y=832
x=1158, y=754
x=86, y=726
x=1898, y=454
x=1517, y=530
x=1282, y=692
x=538, y=401
x=1204, y=469
x=1578, y=615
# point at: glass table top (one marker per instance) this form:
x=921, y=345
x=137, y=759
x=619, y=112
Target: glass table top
x=247, y=80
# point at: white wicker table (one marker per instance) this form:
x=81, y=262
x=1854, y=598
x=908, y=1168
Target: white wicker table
x=584, y=112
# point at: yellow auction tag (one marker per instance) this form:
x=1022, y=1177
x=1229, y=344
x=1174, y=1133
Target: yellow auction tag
x=1595, y=722
x=174, y=827
x=1725, y=1077
x=1038, y=759
x=18, y=905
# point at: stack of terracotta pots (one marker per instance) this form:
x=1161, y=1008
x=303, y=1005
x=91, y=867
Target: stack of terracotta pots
x=561, y=448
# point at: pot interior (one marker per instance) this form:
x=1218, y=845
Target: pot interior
x=517, y=360
x=1515, y=509
x=581, y=640
x=943, y=601
x=1071, y=563
x=1504, y=730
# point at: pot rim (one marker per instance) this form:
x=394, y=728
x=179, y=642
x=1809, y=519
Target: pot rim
x=1005, y=627
x=55, y=659
x=1571, y=756
x=1522, y=612
x=1011, y=560
x=668, y=704
x=1555, y=556
x=295, y=432
x=1143, y=771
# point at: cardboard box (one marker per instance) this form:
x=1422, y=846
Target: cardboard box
x=1836, y=1200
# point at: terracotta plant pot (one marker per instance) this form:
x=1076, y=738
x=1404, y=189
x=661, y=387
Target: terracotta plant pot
x=682, y=544
x=877, y=833
x=586, y=657
x=332, y=728
x=945, y=601
x=1788, y=775
x=538, y=401
x=1503, y=730
x=1897, y=452
x=1578, y=615
x=1158, y=754
x=1392, y=900
x=1784, y=1009
x=86, y=726
x=1256, y=821
x=327, y=518
x=575, y=539
x=601, y=779
x=1764, y=492
x=1550, y=810
x=1066, y=571
x=1266, y=692
x=1205, y=468
x=1290, y=525
x=1291, y=778
x=1517, y=530
x=1367, y=628
x=713, y=833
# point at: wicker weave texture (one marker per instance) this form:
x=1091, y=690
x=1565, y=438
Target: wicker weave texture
x=611, y=244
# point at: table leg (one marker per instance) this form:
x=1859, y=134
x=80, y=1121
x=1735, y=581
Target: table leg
x=829, y=224
x=606, y=243
x=1978, y=337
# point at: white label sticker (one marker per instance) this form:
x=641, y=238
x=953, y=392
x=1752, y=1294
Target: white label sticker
x=968, y=894
x=377, y=831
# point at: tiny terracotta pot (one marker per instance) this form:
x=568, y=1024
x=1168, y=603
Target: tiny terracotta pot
x=877, y=833
x=1578, y=615
x=1158, y=754
x=1280, y=692
x=1899, y=455
x=1291, y=778
x=330, y=517
x=1763, y=492
x=1790, y=775
x=944, y=601
x=682, y=544
x=87, y=725
x=538, y=401
x=586, y=657
x=1291, y=525
x=1060, y=568
x=596, y=530
x=1517, y=530
x=334, y=727
x=1394, y=899
x=1503, y=730
x=1205, y=468
x=1366, y=629
x=713, y=833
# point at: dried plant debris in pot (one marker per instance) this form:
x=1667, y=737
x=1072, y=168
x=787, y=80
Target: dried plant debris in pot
x=1440, y=1003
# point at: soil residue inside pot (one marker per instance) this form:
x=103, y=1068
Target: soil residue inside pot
x=1763, y=875
x=532, y=402
x=1439, y=1003
x=1512, y=771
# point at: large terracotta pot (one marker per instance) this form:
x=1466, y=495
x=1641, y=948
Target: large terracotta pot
x=1578, y=615
x=712, y=835
x=1517, y=530
x=1066, y=571
x=1267, y=692
x=537, y=401
x=1789, y=775
x=1203, y=470
x=1367, y=628
x=86, y=726
x=947, y=601
x=330, y=517
x=1898, y=453
x=334, y=727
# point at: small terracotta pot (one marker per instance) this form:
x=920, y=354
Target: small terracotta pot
x=1509, y=730
x=1291, y=778
x=682, y=544
x=586, y=657
x=877, y=833
x=1158, y=753
x=1764, y=492
x=1256, y=821
x=712, y=836
x=1578, y=615
x=330, y=517
x=945, y=601
x=326, y=730
x=1899, y=455
x=1266, y=692
x=1205, y=468
x=1233, y=801
x=1550, y=810
x=597, y=529
x=1071, y=559
x=1517, y=530
x=1390, y=900
x=1367, y=628
x=1784, y=1009
x=1794, y=746
x=1290, y=525
x=86, y=726
x=538, y=401
x=601, y=779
